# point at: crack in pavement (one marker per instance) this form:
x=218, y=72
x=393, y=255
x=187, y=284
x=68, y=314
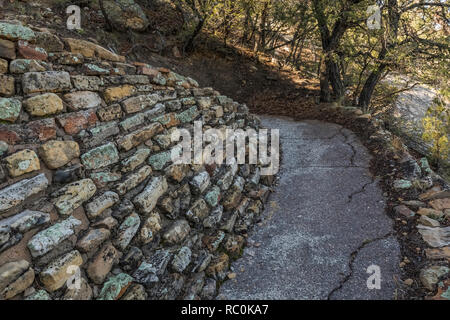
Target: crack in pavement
x=316, y=220
x=351, y=262
x=362, y=190
x=349, y=143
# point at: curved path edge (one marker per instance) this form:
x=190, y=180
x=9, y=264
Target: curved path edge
x=324, y=232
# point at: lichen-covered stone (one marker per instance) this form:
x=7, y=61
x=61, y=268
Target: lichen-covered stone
x=227, y=179
x=135, y=292
x=213, y=196
x=16, y=32
x=402, y=184
x=218, y=266
x=22, y=162
x=49, y=42
x=127, y=231
x=150, y=227
x=7, y=86
x=115, y=287
x=214, y=218
x=150, y=270
x=430, y=276
x=93, y=239
x=100, y=157
x=92, y=69
x=84, y=292
x=15, y=194
x=156, y=111
x=132, y=122
x=168, y=120
x=135, y=160
x=233, y=196
x=20, y=66
x=113, y=94
x=109, y=113
x=133, y=180
x=102, y=263
x=188, y=116
x=58, y=153
x=44, y=104
x=125, y=15
x=50, y=238
x=200, y=182
x=177, y=232
x=91, y=50
x=104, y=177
x=10, y=109
x=233, y=245
x=160, y=160
x=29, y=51
x=139, y=136
x=198, y=211
x=181, y=259
x=177, y=172
x=100, y=133
x=50, y=81
x=82, y=100
x=73, y=195
x=147, y=199
x=25, y=221
x=74, y=122
x=3, y=66
x=212, y=242
x=55, y=275
x=90, y=83
x=139, y=103
x=40, y=295
x=101, y=203
x=108, y=223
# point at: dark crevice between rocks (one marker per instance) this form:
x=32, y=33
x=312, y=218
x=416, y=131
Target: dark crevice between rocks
x=352, y=259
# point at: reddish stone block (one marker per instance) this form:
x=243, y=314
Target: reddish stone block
x=43, y=129
x=10, y=134
x=148, y=71
x=76, y=121
x=163, y=70
x=29, y=51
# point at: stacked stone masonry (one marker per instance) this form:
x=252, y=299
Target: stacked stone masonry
x=87, y=188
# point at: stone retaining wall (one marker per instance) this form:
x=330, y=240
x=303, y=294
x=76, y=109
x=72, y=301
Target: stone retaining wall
x=91, y=206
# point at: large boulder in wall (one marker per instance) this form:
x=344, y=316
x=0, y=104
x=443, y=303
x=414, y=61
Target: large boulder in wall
x=409, y=110
x=125, y=14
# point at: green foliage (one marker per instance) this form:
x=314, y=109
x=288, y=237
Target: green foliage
x=437, y=129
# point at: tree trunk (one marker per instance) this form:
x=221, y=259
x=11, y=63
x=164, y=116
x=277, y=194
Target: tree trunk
x=369, y=87
x=189, y=46
x=335, y=79
x=325, y=94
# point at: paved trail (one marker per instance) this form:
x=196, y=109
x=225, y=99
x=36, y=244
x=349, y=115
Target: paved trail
x=324, y=225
